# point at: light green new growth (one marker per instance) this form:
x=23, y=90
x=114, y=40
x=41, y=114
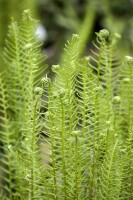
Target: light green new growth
x=69, y=138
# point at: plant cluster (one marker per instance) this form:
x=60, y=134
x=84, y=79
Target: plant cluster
x=70, y=137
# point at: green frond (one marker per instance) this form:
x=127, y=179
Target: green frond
x=110, y=174
x=127, y=180
x=25, y=65
x=69, y=64
x=60, y=123
x=7, y=144
x=127, y=91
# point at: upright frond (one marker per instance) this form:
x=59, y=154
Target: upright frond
x=25, y=66
x=111, y=173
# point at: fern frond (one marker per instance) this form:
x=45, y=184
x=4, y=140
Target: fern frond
x=127, y=181
x=61, y=126
x=23, y=57
x=7, y=144
x=111, y=173
x=127, y=90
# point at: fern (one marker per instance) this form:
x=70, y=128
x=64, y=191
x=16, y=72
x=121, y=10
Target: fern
x=111, y=173
x=83, y=115
x=23, y=60
x=126, y=76
x=60, y=122
x=7, y=163
x=23, y=63
x=65, y=138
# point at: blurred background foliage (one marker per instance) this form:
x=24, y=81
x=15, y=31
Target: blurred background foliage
x=60, y=18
